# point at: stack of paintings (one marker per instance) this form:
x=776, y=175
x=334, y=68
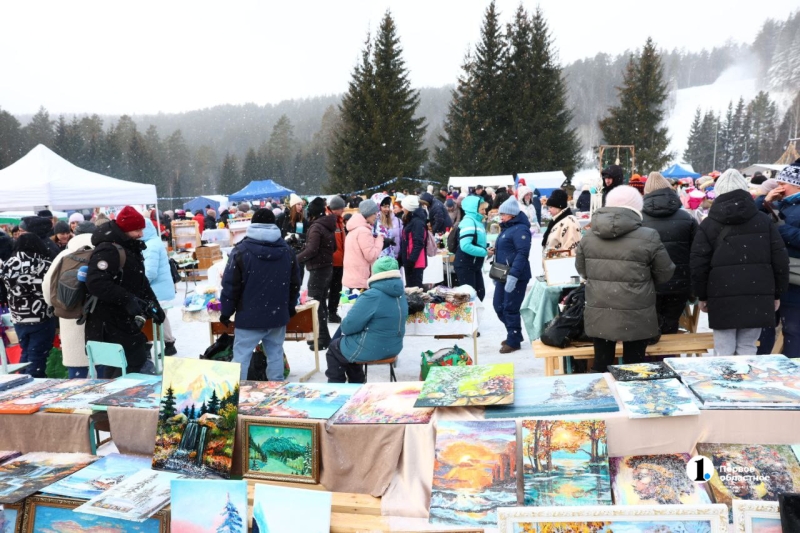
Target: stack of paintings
x=137, y=498
x=655, y=480
x=565, y=463
x=31, y=400
x=553, y=396
x=656, y=398
x=25, y=388
x=98, y=477
x=281, y=451
x=475, y=471
x=641, y=371
x=32, y=472
x=197, y=417
x=10, y=381
x=384, y=403
x=141, y=395
x=294, y=400
x=46, y=514
x=282, y=510
x=208, y=506
x=449, y=386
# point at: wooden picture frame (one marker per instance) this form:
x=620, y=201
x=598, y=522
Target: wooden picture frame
x=716, y=515
x=746, y=511
x=19, y=509
x=33, y=503
x=254, y=430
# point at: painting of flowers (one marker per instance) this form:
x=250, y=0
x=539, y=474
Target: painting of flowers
x=384, y=403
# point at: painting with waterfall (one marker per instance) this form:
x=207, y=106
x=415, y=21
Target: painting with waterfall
x=197, y=418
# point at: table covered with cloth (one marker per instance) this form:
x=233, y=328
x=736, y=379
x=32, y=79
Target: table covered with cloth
x=540, y=306
x=45, y=432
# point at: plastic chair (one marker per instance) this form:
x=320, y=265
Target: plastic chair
x=6, y=368
x=106, y=354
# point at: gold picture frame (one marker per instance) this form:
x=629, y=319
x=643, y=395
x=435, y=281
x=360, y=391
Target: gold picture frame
x=19, y=508
x=33, y=503
x=305, y=435
x=745, y=511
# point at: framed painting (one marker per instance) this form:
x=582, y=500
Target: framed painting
x=458, y=386
x=616, y=519
x=31, y=472
x=756, y=517
x=655, y=480
x=281, y=450
x=11, y=517
x=641, y=371
x=223, y=506
x=384, y=403
x=48, y=514
x=285, y=510
x=98, y=477
x=656, y=398
x=555, y=396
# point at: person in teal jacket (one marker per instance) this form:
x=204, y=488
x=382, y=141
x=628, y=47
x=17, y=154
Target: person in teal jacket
x=156, y=268
x=373, y=329
x=471, y=246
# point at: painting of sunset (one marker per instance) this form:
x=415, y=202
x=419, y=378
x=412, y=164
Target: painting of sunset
x=475, y=471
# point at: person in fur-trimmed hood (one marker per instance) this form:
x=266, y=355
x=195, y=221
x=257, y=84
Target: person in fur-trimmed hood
x=564, y=230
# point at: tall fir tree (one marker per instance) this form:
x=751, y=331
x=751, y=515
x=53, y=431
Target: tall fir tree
x=639, y=117
x=40, y=130
x=251, y=169
x=178, y=169
x=693, y=154
x=726, y=140
x=230, y=180
x=12, y=139
x=232, y=521
x=167, y=410
x=455, y=155
x=281, y=151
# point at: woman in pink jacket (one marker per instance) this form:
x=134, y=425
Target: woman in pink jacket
x=362, y=246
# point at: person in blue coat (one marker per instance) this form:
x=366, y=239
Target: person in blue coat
x=374, y=327
x=471, y=247
x=512, y=248
x=156, y=268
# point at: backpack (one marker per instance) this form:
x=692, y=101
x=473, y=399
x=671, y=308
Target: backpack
x=173, y=270
x=67, y=293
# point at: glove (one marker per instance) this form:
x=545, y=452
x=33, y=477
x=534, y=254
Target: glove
x=511, y=283
x=225, y=321
x=160, y=317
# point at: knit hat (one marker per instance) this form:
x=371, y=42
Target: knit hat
x=263, y=216
x=625, y=196
x=211, y=213
x=449, y=203
x=426, y=198
x=336, y=203
x=294, y=200
x=656, y=181
x=384, y=264
x=61, y=227
x=316, y=208
x=790, y=174
x=510, y=207
x=368, y=208
x=731, y=180
x=637, y=183
x=76, y=217
x=387, y=200
x=129, y=219
x=85, y=227
x=410, y=203
x=558, y=199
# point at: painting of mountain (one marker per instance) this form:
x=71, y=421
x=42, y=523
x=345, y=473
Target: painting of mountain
x=197, y=417
x=137, y=498
x=223, y=508
x=474, y=472
x=142, y=395
x=553, y=396
x=32, y=472
x=296, y=400
x=734, y=368
x=98, y=477
x=281, y=450
x=451, y=386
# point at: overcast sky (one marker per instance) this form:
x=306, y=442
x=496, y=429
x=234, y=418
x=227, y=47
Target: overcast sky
x=145, y=57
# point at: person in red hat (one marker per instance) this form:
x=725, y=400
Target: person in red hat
x=120, y=297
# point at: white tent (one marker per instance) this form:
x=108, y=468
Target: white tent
x=761, y=167
x=487, y=181
x=42, y=178
x=543, y=180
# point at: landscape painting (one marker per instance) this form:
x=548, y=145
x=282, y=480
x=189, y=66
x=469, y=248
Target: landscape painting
x=197, y=417
x=655, y=480
x=772, y=470
x=384, y=403
x=656, y=398
x=641, y=371
x=283, y=510
x=254, y=393
x=733, y=368
x=25, y=388
x=757, y=517
x=451, y=386
x=142, y=395
x=32, y=472
x=9, y=381
x=553, y=396
x=565, y=462
x=7, y=455
x=749, y=394
x=281, y=451
x=56, y=515
x=208, y=506
x=95, y=479
x=474, y=472
x=82, y=402
x=34, y=398
x=136, y=499
x=296, y=400
x=10, y=518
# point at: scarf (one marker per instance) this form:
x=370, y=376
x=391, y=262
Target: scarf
x=561, y=216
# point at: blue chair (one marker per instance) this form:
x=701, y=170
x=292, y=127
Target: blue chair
x=6, y=368
x=105, y=354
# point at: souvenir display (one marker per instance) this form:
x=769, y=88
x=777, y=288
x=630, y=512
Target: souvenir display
x=141, y=395
x=384, y=403
x=31, y=472
x=95, y=479
x=46, y=514
x=137, y=498
x=450, y=386
x=208, y=506
x=733, y=368
x=756, y=517
x=296, y=400
x=641, y=371
x=284, y=510
x=281, y=451
x=654, y=398
x=553, y=396
x=655, y=480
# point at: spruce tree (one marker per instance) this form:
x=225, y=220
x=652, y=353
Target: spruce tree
x=40, y=130
x=213, y=403
x=230, y=179
x=726, y=140
x=639, y=117
x=232, y=521
x=692, y=154
x=168, y=404
x=281, y=151
x=12, y=139
x=251, y=170
x=709, y=142
x=456, y=153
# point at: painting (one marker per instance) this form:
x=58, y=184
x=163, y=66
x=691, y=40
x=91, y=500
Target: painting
x=282, y=510
x=451, y=386
x=7, y=455
x=11, y=517
x=655, y=480
x=733, y=368
x=32, y=472
x=98, y=477
x=756, y=517
x=137, y=498
x=656, y=398
x=33, y=399
x=384, y=403
x=770, y=470
x=474, y=471
x=46, y=514
x=281, y=451
x=197, y=417
x=295, y=400
x=10, y=381
x=25, y=388
x=615, y=519
x=554, y=396
x=749, y=394
x=565, y=462
x=141, y=395
x=641, y=371
x=223, y=509
x=82, y=402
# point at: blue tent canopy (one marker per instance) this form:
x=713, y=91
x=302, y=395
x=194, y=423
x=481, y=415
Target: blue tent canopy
x=258, y=190
x=202, y=201
x=680, y=171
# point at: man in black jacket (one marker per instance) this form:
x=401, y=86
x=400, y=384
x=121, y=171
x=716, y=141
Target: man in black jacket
x=42, y=227
x=437, y=213
x=116, y=279
x=612, y=177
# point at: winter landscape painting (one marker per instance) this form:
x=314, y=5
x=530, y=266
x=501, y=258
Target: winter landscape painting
x=474, y=471
x=82, y=402
x=10, y=518
x=282, y=510
x=281, y=451
x=31, y=400
x=655, y=480
x=384, y=403
x=451, y=386
x=136, y=499
x=32, y=472
x=655, y=398
x=552, y=396
x=197, y=417
x=208, y=506
x=565, y=462
x=295, y=400
x=56, y=515
x=749, y=394
x=98, y=477
x=141, y=395
x=641, y=371
x=733, y=368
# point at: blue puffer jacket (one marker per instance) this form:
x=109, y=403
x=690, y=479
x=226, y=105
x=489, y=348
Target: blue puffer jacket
x=470, y=230
x=375, y=326
x=261, y=282
x=156, y=264
x=789, y=209
x=513, y=247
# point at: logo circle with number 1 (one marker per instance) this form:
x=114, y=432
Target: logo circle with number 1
x=700, y=469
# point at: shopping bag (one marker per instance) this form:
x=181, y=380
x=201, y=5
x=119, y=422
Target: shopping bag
x=454, y=356
x=221, y=350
